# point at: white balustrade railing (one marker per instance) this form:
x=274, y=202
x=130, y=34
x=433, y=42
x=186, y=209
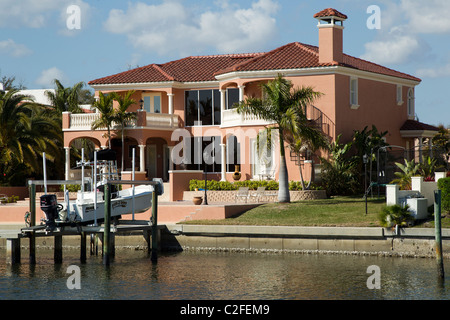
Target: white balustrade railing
x=232, y=118
x=162, y=120
x=84, y=121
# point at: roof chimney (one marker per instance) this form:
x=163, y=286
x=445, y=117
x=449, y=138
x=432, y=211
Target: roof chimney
x=331, y=26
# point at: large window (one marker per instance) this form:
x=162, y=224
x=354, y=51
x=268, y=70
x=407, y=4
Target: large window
x=232, y=97
x=202, y=105
x=152, y=102
x=204, y=151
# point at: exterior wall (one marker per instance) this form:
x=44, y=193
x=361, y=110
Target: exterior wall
x=377, y=106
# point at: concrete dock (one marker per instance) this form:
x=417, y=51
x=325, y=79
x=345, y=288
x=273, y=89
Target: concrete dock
x=410, y=242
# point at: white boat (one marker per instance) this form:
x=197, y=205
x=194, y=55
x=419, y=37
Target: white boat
x=85, y=209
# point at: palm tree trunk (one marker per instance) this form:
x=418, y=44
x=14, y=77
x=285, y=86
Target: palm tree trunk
x=301, y=176
x=109, y=137
x=283, y=190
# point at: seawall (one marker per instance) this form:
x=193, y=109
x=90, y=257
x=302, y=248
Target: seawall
x=410, y=242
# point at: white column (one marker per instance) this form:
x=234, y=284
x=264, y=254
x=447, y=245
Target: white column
x=141, y=158
x=224, y=162
x=241, y=93
x=170, y=96
x=241, y=98
x=223, y=100
x=67, y=164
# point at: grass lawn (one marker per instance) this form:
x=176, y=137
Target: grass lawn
x=336, y=211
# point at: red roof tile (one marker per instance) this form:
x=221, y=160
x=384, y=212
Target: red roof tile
x=298, y=55
x=330, y=12
x=416, y=125
x=204, y=68
x=190, y=69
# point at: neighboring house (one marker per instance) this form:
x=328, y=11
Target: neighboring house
x=197, y=94
x=38, y=95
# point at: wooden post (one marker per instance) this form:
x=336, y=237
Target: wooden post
x=83, y=247
x=13, y=251
x=438, y=238
x=32, y=254
x=94, y=244
x=58, y=248
x=107, y=225
x=154, y=256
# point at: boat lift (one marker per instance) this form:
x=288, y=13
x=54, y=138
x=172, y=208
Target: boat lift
x=74, y=227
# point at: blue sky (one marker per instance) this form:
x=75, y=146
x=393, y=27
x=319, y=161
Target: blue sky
x=37, y=46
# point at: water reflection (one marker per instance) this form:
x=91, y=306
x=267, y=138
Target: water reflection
x=193, y=275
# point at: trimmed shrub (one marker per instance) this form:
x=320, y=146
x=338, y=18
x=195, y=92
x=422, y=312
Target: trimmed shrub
x=252, y=185
x=444, y=186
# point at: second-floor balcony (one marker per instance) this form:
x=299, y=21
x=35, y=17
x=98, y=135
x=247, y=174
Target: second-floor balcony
x=231, y=118
x=84, y=121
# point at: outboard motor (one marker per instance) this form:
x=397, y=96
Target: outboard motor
x=50, y=207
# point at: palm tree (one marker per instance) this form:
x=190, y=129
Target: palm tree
x=121, y=116
x=408, y=170
x=312, y=141
x=104, y=105
x=25, y=132
x=283, y=106
x=65, y=99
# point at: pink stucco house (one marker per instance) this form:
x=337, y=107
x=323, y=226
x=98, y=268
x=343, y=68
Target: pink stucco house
x=191, y=101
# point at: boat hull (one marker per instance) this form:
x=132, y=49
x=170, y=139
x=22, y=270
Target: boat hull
x=85, y=210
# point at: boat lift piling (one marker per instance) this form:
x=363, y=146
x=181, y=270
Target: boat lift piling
x=108, y=230
x=438, y=234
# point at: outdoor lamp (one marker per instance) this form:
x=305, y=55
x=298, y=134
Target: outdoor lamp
x=141, y=103
x=365, y=159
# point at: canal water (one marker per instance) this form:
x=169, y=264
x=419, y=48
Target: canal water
x=221, y=275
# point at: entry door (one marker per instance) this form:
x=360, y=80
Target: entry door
x=152, y=157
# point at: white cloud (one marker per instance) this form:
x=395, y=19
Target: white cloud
x=10, y=47
x=396, y=48
x=441, y=71
x=36, y=14
x=404, y=25
x=429, y=16
x=171, y=26
x=47, y=77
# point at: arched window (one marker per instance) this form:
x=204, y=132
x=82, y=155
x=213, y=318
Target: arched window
x=410, y=105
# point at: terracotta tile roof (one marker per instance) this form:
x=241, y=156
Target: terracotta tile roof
x=416, y=125
x=204, y=68
x=298, y=55
x=190, y=69
x=329, y=12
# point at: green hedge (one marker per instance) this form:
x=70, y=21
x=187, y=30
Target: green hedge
x=253, y=185
x=11, y=199
x=444, y=186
